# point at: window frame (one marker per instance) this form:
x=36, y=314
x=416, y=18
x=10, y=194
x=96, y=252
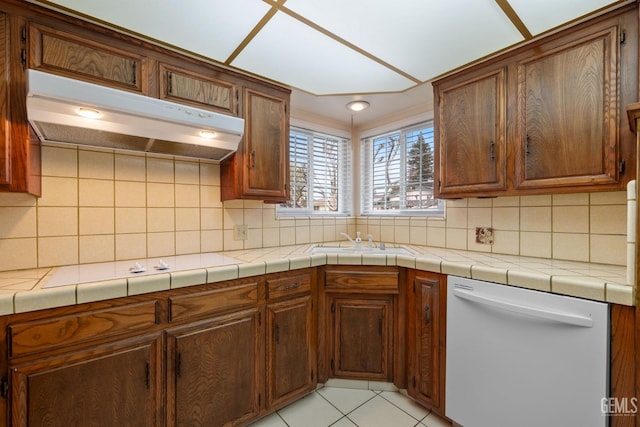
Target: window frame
x=345, y=204
x=367, y=166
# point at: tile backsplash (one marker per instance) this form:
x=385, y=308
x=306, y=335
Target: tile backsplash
x=101, y=205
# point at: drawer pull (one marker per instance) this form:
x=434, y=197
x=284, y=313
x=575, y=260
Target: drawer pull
x=294, y=286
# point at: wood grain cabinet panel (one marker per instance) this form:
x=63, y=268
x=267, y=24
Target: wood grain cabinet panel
x=362, y=338
x=199, y=90
x=195, y=305
x=543, y=118
x=370, y=280
x=78, y=56
x=471, y=134
x=291, y=354
x=215, y=371
x=568, y=114
x=288, y=286
x=48, y=334
x=260, y=168
x=426, y=338
x=114, y=384
x=19, y=147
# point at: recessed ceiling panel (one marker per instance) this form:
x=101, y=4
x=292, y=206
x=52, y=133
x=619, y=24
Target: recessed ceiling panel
x=212, y=28
x=289, y=51
x=542, y=15
x=423, y=38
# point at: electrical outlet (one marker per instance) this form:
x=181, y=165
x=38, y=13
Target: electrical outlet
x=241, y=232
x=484, y=235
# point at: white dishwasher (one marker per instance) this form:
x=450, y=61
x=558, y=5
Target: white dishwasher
x=517, y=357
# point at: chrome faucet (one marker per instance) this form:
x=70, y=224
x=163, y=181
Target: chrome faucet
x=345, y=235
x=357, y=242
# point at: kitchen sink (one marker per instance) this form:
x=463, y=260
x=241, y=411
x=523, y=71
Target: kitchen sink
x=365, y=250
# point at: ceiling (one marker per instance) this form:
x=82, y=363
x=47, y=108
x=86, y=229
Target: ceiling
x=334, y=51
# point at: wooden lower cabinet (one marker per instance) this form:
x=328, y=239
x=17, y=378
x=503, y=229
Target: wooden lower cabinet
x=426, y=338
x=362, y=337
x=363, y=323
x=214, y=371
x=119, y=383
x=291, y=354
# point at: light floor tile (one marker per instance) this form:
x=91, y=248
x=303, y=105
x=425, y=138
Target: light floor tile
x=346, y=400
x=406, y=404
x=310, y=411
x=272, y=420
x=379, y=412
x=433, y=420
x=344, y=422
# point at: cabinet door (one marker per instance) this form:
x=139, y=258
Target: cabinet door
x=263, y=169
x=79, y=56
x=361, y=338
x=215, y=371
x=115, y=384
x=189, y=87
x=267, y=146
x=290, y=351
x=19, y=149
x=568, y=114
x=471, y=134
x=426, y=340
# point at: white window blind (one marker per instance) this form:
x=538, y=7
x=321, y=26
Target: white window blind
x=398, y=173
x=319, y=174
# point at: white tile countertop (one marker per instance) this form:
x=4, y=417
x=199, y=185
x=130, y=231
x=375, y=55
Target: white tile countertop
x=29, y=290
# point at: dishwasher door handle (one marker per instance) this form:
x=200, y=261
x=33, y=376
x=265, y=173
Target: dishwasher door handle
x=557, y=316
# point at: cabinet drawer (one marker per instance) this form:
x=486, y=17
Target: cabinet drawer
x=40, y=335
x=355, y=280
x=199, y=304
x=288, y=286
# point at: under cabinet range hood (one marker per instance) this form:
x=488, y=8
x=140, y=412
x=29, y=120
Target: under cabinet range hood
x=61, y=109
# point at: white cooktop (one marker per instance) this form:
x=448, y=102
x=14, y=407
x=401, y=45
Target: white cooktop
x=84, y=273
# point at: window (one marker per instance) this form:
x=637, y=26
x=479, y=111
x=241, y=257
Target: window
x=320, y=174
x=398, y=173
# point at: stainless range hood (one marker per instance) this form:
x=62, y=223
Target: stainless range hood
x=57, y=108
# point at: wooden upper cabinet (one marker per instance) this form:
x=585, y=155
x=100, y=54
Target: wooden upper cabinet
x=19, y=147
x=546, y=117
x=471, y=134
x=200, y=90
x=77, y=55
x=260, y=168
x=568, y=113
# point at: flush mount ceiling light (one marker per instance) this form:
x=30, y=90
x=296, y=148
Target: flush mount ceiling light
x=89, y=113
x=357, y=105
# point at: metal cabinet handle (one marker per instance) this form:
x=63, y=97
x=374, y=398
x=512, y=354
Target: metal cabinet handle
x=492, y=150
x=253, y=159
x=294, y=286
x=427, y=314
x=527, y=145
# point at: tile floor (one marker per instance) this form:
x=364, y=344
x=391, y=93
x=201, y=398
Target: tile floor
x=369, y=405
